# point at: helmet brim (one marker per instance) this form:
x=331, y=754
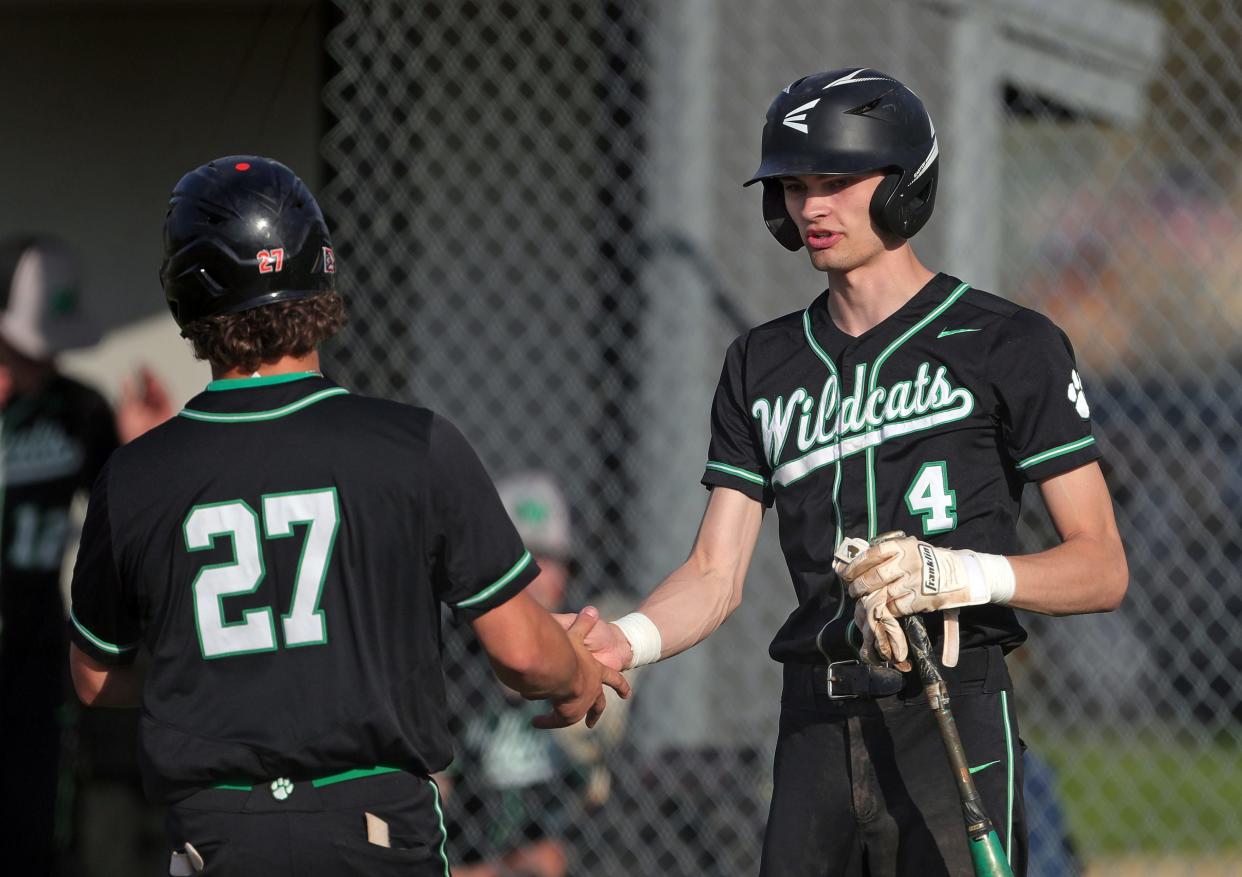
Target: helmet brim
x=813, y=167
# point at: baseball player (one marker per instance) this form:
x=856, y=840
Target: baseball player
x=55, y=434
x=898, y=400
x=279, y=551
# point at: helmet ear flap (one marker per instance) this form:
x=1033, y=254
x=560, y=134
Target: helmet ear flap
x=885, y=209
x=777, y=218
x=903, y=210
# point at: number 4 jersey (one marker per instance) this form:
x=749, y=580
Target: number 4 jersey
x=931, y=422
x=282, y=549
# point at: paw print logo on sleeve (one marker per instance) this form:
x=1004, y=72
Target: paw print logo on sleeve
x=1076, y=395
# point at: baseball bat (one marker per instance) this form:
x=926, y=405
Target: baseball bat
x=985, y=847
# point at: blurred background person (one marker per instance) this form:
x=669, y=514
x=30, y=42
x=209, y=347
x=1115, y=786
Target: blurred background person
x=55, y=434
x=514, y=793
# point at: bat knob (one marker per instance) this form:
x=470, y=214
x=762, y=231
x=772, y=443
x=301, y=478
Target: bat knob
x=889, y=536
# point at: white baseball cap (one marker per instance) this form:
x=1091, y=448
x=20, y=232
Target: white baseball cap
x=539, y=512
x=41, y=311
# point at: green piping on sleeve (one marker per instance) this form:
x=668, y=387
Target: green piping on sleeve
x=1053, y=453
x=495, y=586
x=108, y=647
x=740, y=473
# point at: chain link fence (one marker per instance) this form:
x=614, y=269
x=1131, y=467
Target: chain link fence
x=540, y=224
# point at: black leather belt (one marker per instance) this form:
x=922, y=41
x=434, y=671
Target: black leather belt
x=982, y=667
x=850, y=679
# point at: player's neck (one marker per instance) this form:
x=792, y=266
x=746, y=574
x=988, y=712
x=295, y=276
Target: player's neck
x=283, y=366
x=866, y=296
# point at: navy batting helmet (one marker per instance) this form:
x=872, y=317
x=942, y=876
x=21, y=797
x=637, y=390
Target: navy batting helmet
x=851, y=121
x=243, y=232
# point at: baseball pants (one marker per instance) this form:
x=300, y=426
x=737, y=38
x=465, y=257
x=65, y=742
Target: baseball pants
x=301, y=830
x=863, y=788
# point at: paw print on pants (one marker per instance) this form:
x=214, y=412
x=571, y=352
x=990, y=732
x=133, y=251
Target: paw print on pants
x=1077, y=396
x=281, y=788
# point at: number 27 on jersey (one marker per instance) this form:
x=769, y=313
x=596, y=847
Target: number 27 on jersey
x=304, y=624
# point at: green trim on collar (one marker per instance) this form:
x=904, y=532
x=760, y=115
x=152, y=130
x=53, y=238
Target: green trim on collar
x=251, y=416
x=260, y=381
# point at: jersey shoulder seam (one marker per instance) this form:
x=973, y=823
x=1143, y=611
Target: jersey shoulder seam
x=791, y=321
x=990, y=302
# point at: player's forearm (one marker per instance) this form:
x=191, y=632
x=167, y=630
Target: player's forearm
x=545, y=667
x=692, y=603
x=700, y=594
x=528, y=650
x=103, y=685
x=1085, y=573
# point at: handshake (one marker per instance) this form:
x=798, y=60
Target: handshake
x=897, y=575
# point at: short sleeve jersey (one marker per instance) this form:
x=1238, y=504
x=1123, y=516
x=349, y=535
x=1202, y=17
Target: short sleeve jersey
x=930, y=423
x=52, y=445
x=282, y=549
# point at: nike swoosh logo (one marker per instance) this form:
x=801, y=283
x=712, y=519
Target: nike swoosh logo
x=990, y=763
x=945, y=333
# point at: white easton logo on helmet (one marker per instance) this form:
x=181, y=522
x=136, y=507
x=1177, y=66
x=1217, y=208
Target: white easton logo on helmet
x=931, y=153
x=796, y=118
x=851, y=78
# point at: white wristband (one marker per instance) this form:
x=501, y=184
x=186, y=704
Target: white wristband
x=645, y=641
x=998, y=575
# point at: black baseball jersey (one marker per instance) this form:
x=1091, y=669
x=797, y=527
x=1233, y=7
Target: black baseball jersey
x=282, y=548
x=931, y=422
x=53, y=442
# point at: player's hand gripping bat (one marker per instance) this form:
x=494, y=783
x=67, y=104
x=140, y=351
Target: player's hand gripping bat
x=985, y=847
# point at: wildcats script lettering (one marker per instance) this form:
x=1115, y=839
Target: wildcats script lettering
x=829, y=427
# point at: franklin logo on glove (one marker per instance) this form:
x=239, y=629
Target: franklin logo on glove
x=931, y=569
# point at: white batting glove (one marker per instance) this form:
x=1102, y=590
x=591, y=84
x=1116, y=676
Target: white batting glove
x=921, y=578
x=910, y=577
x=884, y=640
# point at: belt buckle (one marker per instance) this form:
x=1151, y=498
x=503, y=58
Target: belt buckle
x=832, y=696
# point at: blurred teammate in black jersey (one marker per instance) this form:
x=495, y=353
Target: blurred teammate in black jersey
x=55, y=434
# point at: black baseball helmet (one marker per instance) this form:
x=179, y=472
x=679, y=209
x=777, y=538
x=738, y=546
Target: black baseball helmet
x=243, y=232
x=851, y=121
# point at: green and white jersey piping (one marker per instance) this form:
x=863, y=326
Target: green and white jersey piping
x=745, y=475
x=253, y=416
x=836, y=483
x=1009, y=793
x=1053, y=453
x=872, y=514
x=440, y=820
x=108, y=647
x=495, y=586
x=839, y=533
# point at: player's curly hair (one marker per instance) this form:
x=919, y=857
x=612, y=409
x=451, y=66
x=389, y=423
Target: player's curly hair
x=265, y=334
